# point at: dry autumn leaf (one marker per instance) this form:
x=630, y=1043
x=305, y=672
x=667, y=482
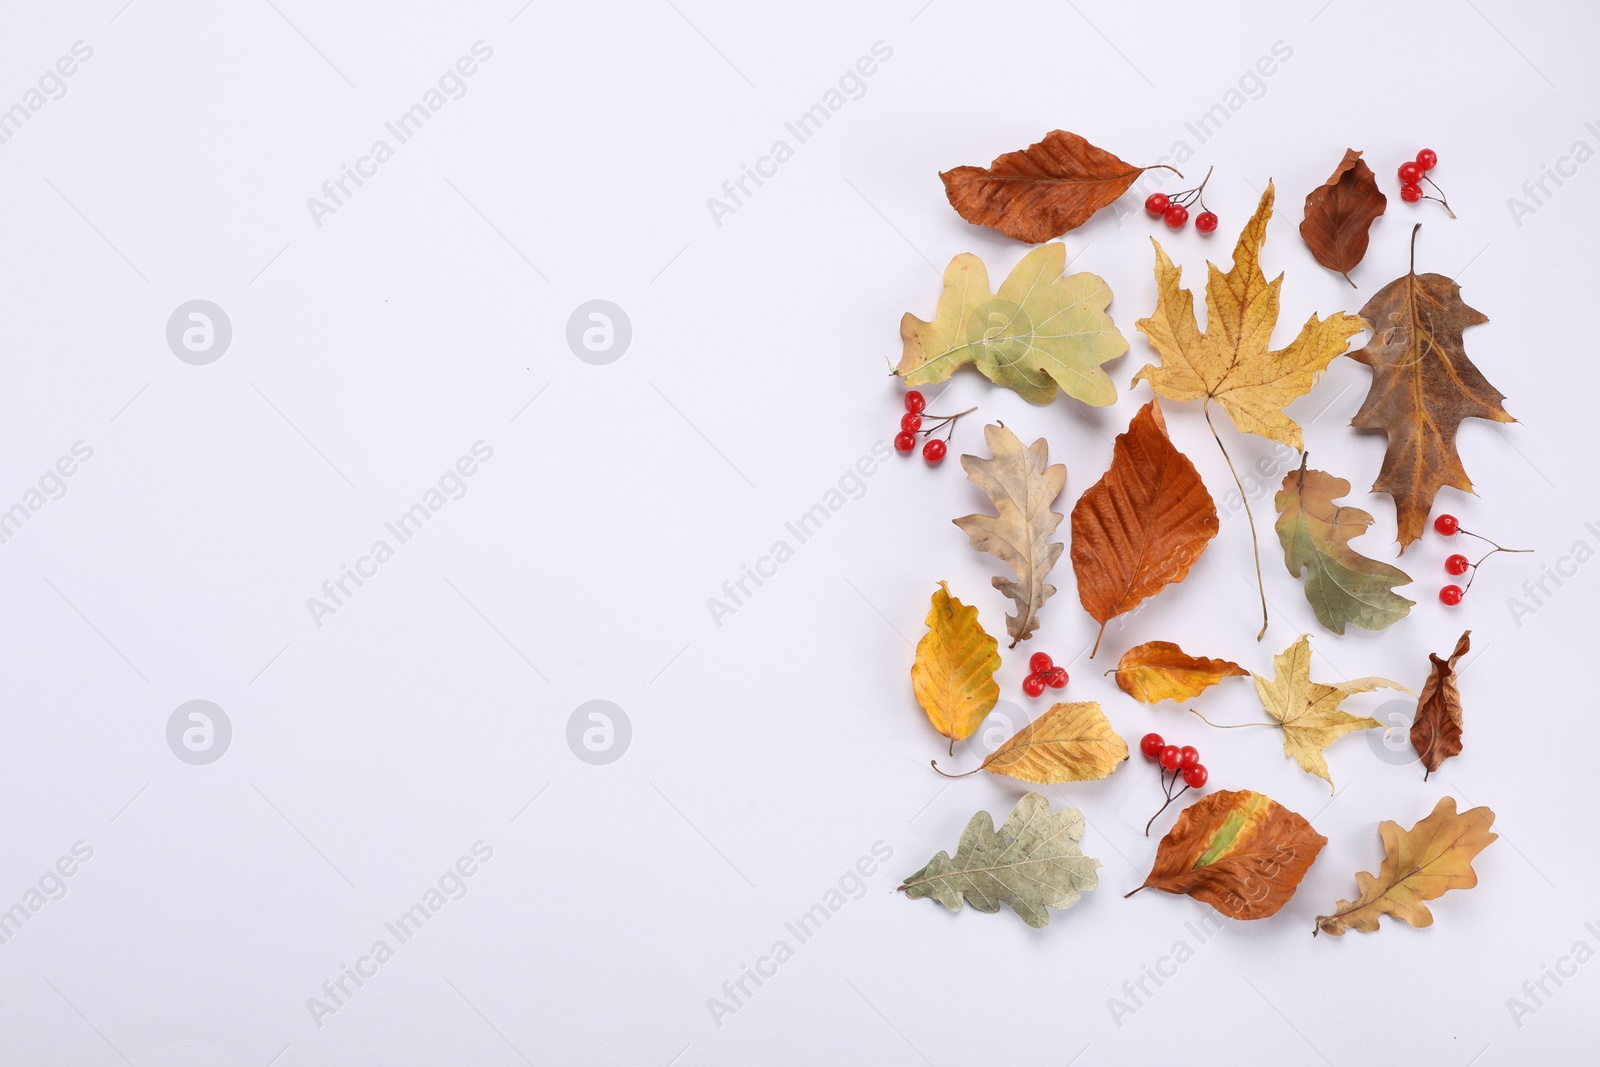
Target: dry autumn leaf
x=953, y=675
x=1142, y=525
x=1023, y=484
x=1033, y=863
x=1160, y=670
x=1042, y=191
x=1342, y=585
x=1041, y=331
x=1239, y=851
x=1339, y=213
x=1068, y=743
x=1231, y=362
x=1423, y=386
x=1424, y=862
x=1436, y=731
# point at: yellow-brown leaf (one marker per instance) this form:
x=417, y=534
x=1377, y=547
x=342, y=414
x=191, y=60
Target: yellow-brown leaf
x=1160, y=670
x=1068, y=743
x=953, y=675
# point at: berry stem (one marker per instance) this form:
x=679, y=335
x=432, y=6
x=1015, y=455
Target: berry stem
x=1255, y=542
x=1486, y=555
x=1164, y=807
x=1440, y=197
x=935, y=765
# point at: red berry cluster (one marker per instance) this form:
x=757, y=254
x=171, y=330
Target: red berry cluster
x=1414, y=172
x=1458, y=564
x=1182, y=762
x=1175, y=209
x=1045, y=672
x=911, y=423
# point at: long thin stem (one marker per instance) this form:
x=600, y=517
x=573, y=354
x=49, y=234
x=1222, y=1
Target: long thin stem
x=935, y=764
x=1228, y=726
x=1255, y=542
x=1497, y=548
x=1165, y=806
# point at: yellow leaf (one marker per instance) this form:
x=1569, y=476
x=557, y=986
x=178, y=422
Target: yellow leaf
x=1160, y=670
x=1231, y=362
x=953, y=676
x=1309, y=711
x=1068, y=743
x=1424, y=862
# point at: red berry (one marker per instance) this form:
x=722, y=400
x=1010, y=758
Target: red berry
x=1040, y=662
x=904, y=442
x=1194, y=777
x=1447, y=525
x=1427, y=159
x=1451, y=595
x=1156, y=204
x=1410, y=192
x=915, y=402
x=1456, y=564
x=933, y=451
x=1188, y=756
x=1411, y=173
x=1151, y=745
x=910, y=423
x=1176, y=216
x=1056, y=678
x=1205, y=222
x=1032, y=685
x=1170, y=757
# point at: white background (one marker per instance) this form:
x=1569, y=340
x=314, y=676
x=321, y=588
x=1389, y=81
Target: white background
x=771, y=752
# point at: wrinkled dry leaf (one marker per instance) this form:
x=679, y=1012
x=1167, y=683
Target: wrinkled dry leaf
x=1142, y=525
x=1042, y=191
x=1033, y=863
x=1231, y=363
x=1436, y=731
x=1239, y=851
x=1160, y=670
x=1340, y=212
x=953, y=675
x=1041, y=331
x=1423, y=386
x=1342, y=585
x=1424, y=862
x=1023, y=484
x=1069, y=743
x=1309, y=711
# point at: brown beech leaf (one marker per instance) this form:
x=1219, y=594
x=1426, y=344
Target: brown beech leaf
x=1339, y=212
x=1424, y=862
x=1160, y=670
x=1023, y=484
x=1141, y=526
x=1436, y=731
x=1069, y=743
x=1042, y=191
x=1239, y=851
x=1423, y=385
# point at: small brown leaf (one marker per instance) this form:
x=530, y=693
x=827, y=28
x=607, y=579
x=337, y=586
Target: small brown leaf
x=1141, y=526
x=1239, y=851
x=1160, y=670
x=1043, y=191
x=1340, y=212
x=1436, y=731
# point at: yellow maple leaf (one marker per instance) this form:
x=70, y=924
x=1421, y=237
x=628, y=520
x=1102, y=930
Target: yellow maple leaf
x=1424, y=862
x=953, y=675
x=1231, y=362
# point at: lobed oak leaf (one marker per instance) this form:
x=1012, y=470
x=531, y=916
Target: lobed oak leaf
x=1042, y=191
x=1160, y=670
x=953, y=674
x=1423, y=386
x=1422, y=863
x=1141, y=526
x=1239, y=851
x=1072, y=742
x=1033, y=863
x=1342, y=585
x=1042, y=331
x=1023, y=484
x=1436, y=730
x=1339, y=213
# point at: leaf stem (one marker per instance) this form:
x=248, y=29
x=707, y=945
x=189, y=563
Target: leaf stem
x=935, y=765
x=1229, y=726
x=1255, y=542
